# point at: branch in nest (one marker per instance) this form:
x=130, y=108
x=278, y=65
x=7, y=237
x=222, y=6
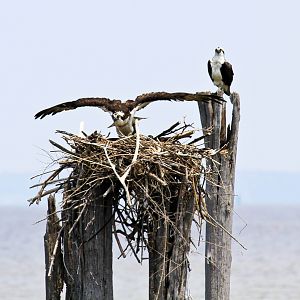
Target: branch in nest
x=41, y=195
x=167, y=131
x=123, y=177
x=63, y=149
x=45, y=183
x=182, y=135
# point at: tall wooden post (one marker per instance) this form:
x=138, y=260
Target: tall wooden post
x=169, y=244
x=220, y=195
x=88, y=247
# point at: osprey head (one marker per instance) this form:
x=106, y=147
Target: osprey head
x=219, y=51
x=118, y=115
x=119, y=118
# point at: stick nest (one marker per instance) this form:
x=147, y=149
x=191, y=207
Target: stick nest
x=142, y=174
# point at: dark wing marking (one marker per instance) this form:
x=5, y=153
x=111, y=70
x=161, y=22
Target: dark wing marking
x=103, y=103
x=145, y=99
x=209, y=70
x=227, y=73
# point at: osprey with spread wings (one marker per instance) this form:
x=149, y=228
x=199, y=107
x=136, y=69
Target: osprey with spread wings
x=123, y=113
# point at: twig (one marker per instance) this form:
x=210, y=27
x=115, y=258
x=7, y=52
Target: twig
x=63, y=149
x=167, y=131
x=52, y=259
x=123, y=177
x=218, y=224
x=118, y=241
x=136, y=152
x=40, y=193
x=162, y=182
x=51, y=182
x=78, y=218
x=113, y=167
x=39, y=196
x=182, y=135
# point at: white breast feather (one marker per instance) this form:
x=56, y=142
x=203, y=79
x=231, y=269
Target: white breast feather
x=216, y=64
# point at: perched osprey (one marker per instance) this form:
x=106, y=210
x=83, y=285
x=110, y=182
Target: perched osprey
x=220, y=71
x=123, y=113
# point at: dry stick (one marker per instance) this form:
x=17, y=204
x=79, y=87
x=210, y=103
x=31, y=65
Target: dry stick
x=54, y=252
x=51, y=182
x=78, y=218
x=39, y=196
x=113, y=167
x=118, y=240
x=123, y=177
x=161, y=212
x=198, y=139
x=218, y=224
x=162, y=182
x=124, y=230
x=182, y=135
x=44, y=173
x=63, y=149
x=78, y=189
x=167, y=131
x=49, y=215
x=136, y=152
x=40, y=193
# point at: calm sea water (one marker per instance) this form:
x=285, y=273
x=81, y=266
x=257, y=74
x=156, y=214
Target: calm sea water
x=269, y=269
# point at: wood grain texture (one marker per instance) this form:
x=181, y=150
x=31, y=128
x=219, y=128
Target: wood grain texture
x=88, y=249
x=169, y=247
x=220, y=196
x=54, y=280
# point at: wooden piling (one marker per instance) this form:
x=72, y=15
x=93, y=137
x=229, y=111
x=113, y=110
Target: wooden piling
x=220, y=195
x=88, y=247
x=169, y=245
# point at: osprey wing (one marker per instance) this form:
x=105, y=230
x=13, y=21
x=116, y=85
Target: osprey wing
x=209, y=69
x=145, y=99
x=227, y=73
x=103, y=103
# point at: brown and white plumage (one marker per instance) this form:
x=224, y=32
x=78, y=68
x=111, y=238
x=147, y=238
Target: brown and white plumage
x=123, y=113
x=220, y=71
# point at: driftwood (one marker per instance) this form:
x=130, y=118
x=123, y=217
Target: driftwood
x=220, y=196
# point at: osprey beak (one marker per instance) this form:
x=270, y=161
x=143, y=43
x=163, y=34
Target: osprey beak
x=140, y=118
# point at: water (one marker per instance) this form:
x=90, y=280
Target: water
x=269, y=269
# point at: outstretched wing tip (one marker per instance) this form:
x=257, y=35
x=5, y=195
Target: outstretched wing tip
x=43, y=113
x=38, y=116
x=103, y=103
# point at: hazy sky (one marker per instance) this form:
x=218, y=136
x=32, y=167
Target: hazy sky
x=62, y=50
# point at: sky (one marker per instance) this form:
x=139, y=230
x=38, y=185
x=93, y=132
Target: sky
x=59, y=51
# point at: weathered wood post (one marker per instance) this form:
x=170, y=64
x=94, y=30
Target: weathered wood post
x=87, y=241
x=54, y=263
x=220, y=195
x=169, y=244
x=86, y=234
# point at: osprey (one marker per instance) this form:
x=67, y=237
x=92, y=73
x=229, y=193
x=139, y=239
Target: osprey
x=220, y=71
x=123, y=113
